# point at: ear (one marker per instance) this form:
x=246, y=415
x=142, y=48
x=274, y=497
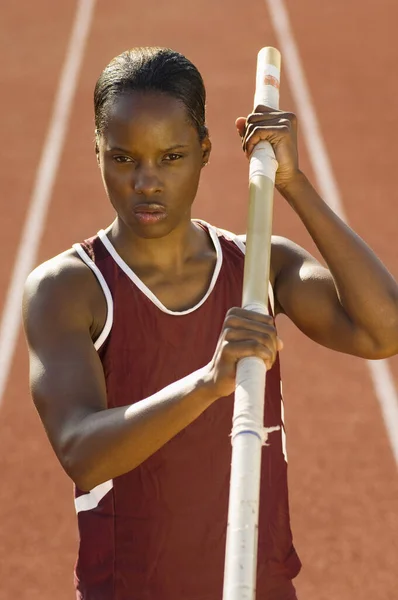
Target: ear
x=97, y=146
x=206, y=150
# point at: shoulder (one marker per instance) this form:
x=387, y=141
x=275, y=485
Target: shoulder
x=221, y=232
x=283, y=252
x=233, y=240
x=62, y=274
x=279, y=244
x=60, y=288
x=287, y=255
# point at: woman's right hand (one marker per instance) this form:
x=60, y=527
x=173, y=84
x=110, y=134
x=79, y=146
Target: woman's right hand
x=244, y=333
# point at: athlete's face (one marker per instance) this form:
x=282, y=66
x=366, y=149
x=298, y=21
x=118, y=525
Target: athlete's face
x=151, y=159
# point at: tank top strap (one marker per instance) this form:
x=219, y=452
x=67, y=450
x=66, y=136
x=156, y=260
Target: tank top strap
x=240, y=242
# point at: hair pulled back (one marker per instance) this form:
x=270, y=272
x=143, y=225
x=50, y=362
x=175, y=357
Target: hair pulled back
x=156, y=70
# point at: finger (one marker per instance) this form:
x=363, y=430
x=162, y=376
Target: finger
x=240, y=124
x=266, y=339
x=274, y=121
x=264, y=336
x=272, y=124
x=237, y=350
x=243, y=324
x=261, y=117
x=264, y=134
x=261, y=108
x=252, y=315
x=258, y=116
x=241, y=318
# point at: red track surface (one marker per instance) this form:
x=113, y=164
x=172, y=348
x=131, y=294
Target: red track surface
x=343, y=483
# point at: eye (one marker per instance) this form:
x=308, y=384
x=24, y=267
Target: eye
x=122, y=159
x=172, y=157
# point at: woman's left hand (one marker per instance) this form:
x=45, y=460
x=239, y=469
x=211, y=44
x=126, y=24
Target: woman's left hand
x=280, y=129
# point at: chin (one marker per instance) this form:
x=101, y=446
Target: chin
x=151, y=230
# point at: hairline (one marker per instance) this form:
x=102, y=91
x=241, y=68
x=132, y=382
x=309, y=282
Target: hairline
x=115, y=96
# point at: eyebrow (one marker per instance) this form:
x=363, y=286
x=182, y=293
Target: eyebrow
x=175, y=147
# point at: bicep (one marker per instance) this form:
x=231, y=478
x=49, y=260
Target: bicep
x=305, y=292
x=66, y=376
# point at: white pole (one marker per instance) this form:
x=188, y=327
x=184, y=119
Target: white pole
x=248, y=432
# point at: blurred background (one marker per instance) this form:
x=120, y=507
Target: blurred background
x=342, y=471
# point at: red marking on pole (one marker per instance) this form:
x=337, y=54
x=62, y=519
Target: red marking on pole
x=270, y=80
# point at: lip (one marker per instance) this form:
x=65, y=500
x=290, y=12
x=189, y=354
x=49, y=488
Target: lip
x=150, y=213
x=149, y=208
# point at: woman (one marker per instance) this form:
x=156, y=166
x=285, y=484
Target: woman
x=134, y=336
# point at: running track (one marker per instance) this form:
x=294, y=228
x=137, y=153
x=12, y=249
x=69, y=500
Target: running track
x=343, y=476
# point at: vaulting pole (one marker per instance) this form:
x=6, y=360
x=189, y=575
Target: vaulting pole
x=248, y=432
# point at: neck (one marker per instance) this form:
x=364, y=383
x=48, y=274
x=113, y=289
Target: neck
x=168, y=253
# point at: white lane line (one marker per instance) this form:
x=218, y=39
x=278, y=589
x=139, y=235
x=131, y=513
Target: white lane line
x=43, y=186
x=380, y=372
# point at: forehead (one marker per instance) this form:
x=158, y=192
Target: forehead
x=139, y=115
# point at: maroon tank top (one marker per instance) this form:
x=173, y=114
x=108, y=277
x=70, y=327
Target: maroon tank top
x=158, y=532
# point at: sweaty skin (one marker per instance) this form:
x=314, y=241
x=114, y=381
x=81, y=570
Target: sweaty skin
x=150, y=159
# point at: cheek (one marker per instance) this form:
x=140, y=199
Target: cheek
x=190, y=175
x=113, y=180
x=184, y=186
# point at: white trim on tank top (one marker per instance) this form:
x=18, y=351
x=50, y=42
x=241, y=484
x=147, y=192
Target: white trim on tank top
x=148, y=293
x=214, y=233
x=93, y=497
x=240, y=241
x=107, y=293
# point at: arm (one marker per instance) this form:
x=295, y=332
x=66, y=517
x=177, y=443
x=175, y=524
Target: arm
x=339, y=310
x=350, y=306
x=94, y=443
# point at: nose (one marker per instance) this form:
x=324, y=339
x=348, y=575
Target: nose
x=146, y=180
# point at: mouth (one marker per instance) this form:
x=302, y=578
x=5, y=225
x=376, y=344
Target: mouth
x=148, y=213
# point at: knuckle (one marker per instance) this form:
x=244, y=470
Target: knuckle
x=285, y=123
x=267, y=357
x=227, y=334
x=263, y=109
x=267, y=338
x=270, y=346
x=283, y=126
x=228, y=321
x=226, y=349
x=254, y=133
x=268, y=319
x=257, y=347
x=268, y=323
x=268, y=354
x=251, y=130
